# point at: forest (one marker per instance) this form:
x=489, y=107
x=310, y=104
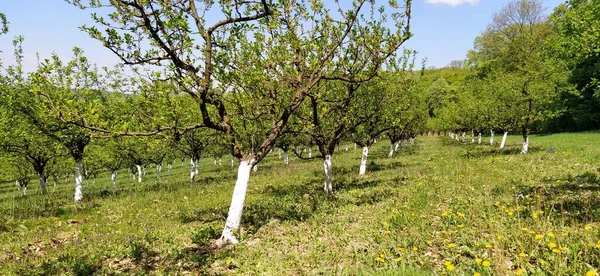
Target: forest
x=303, y=137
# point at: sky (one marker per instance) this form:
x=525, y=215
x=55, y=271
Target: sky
x=444, y=30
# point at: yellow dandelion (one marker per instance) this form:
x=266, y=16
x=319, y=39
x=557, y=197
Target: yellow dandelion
x=519, y=272
x=460, y=226
x=461, y=214
x=499, y=237
x=509, y=214
x=562, y=248
x=555, y=250
x=415, y=248
x=452, y=245
x=550, y=234
x=591, y=272
x=598, y=245
x=524, y=229
x=534, y=215
x=522, y=255
x=444, y=214
x=398, y=259
x=552, y=245
x=539, y=236
x=476, y=274
x=543, y=263
x=449, y=266
x=486, y=263
x=587, y=227
x=488, y=246
x=478, y=260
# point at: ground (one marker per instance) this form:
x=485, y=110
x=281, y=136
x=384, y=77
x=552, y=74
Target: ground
x=436, y=207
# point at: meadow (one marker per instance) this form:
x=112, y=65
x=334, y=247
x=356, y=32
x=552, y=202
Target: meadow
x=437, y=207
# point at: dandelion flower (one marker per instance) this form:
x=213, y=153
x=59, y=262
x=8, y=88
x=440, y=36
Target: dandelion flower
x=555, y=250
x=452, y=245
x=552, y=245
x=488, y=246
x=591, y=272
x=539, y=236
x=519, y=272
x=486, y=263
x=550, y=234
x=587, y=227
x=478, y=260
x=524, y=229
x=476, y=274
x=499, y=237
x=522, y=255
x=449, y=266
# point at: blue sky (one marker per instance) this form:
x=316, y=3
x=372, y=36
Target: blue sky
x=444, y=30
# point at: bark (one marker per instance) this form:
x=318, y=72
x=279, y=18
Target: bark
x=346, y=147
x=232, y=161
x=491, y=137
x=464, y=137
x=234, y=216
x=397, y=146
x=525, y=148
x=479, y=138
x=220, y=162
x=255, y=168
x=78, y=180
x=391, y=153
x=42, y=182
x=113, y=177
x=503, y=140
x=363, y=161
x=310, y=152
x=24, y=191
x=279, y=153
x=328, y=175
x=472, y=136
x=286, y=158
x=139, y=169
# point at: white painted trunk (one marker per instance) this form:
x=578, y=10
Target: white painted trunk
x=113, y=177
x=139, y=169
x=525, y=148
x=472, y=136
x=42, y=183
x=328, y=176
x=234, y=216
x=286, y=158
x=232, y=161
x=25, y=191
x=346, y=147
x=397, y=146
x=18, y=184
x=169, y=167
x=412, y=140
x=255, y=168
x=215, y=162
x=193, y=170
x=363, y=161
x=479, y=138
x=54, y=189
x=391, y=153
x=464, y=137
x=354, y=146
x=78, y=180
x=374, y=141
x=279, y=153
x=220, y=162
x=491, y=137
x=451, y=135
x=504, y=139
x=144, y=170
x=310, y=152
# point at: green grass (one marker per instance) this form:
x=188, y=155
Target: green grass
x=438, y=204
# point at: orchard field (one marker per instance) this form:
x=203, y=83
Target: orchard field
x=436, y=207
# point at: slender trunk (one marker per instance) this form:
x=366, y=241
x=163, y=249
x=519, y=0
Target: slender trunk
x=232, y=161
x=55, y=180
x=78, y=180
x=310, y=152
x=215, y=162
x=346, y=147
x=234, y=216
x=391, y=153
x=25, y=191
x=328, y=176
x=286, y=158
x=139, y=169
x=279, y=153
x=363, y=161
x=354, y=146
x=503, y=140
x=255, y=168
x=193, y=170
x=491, y=137
x=113, y=178
x=42, y=182
x=464, y=137
x=220, y=162
x=525, y=148
x=397, y=146
x=169, y=168
x=479, y=138
x=472, y=136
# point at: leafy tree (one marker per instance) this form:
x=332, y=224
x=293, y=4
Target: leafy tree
x=254, y=48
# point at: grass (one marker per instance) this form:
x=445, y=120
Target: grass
x=437, y=207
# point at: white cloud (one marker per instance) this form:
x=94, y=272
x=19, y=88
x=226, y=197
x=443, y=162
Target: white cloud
x=452, y=3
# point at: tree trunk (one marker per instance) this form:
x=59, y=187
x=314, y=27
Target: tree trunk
x=78, y=180
x=363, y=161
x=346, y=147
x=354, y=146
x=503, y=140
x=327, y=176
x=113, y=178
x=193, y=170
x=491, y=137
x=220, y=162
x=279, y=153
x=525, y=148
x=234, y=216
x=397, y=146
x=42, y=182
x=169, y=168
x=255, y=168
x=139, y=169
x=479, y=138
x=391, y=153
x=472, y=137
x=310, y=152
x=286, y=158
x=464, y=137
x=25, y=191
x=232, y=161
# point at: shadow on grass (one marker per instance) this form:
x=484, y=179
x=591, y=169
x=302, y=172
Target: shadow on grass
x=576, y=197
